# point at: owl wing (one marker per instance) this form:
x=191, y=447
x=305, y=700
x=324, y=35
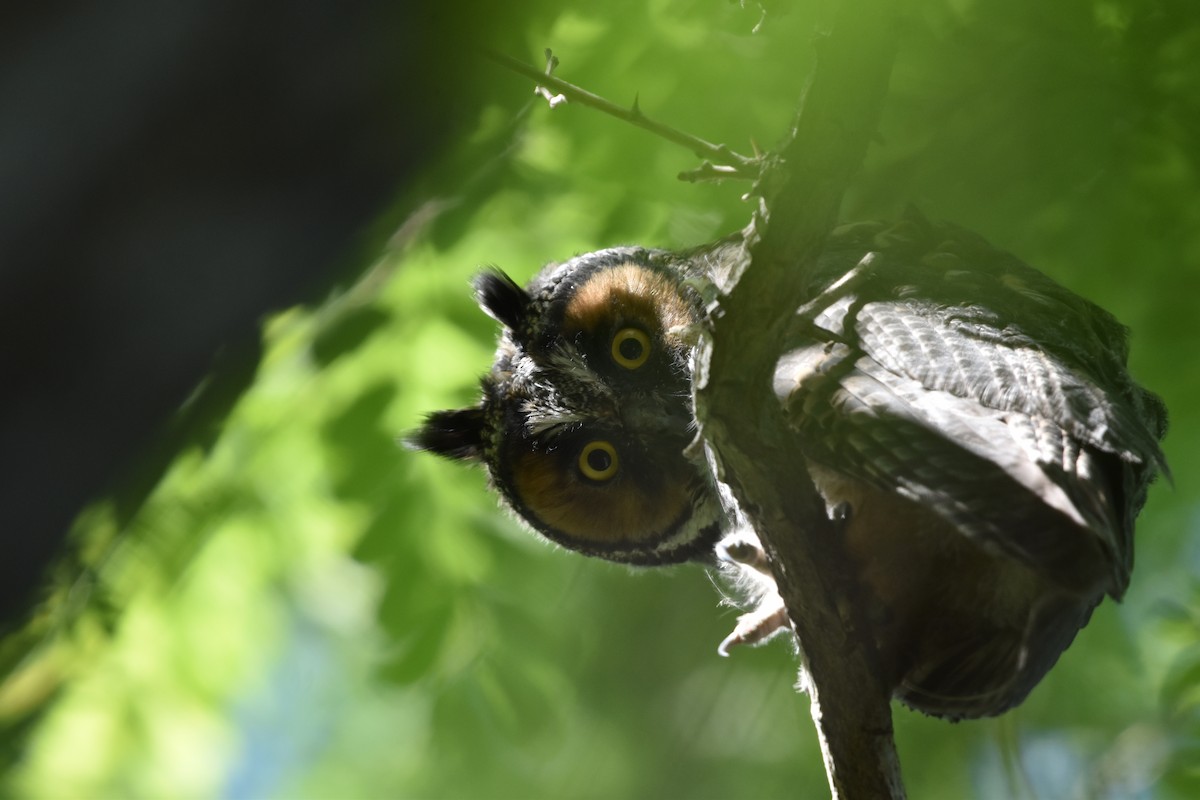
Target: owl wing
x=958, y=377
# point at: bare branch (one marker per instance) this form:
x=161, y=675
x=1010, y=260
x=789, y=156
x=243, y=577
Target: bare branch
x=740, y=166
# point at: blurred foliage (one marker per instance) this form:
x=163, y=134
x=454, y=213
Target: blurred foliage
x=300, y=608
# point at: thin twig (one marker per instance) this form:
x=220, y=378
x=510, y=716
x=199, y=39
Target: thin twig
x=739, y=166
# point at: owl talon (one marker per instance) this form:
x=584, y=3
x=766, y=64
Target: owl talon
x=746, y=553
x=769, y=615
x=759, y=625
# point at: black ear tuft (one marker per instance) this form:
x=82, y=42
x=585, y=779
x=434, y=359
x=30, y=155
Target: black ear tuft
x=502, y=298
x=456, y=434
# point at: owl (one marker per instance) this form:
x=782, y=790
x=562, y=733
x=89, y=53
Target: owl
x=970, y=421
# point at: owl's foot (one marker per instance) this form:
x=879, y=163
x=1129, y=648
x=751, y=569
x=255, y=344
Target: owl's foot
x=757, y=626
x=769, y=615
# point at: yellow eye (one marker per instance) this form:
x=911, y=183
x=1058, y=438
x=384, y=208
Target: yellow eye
x=630, y=348
x=598, y=461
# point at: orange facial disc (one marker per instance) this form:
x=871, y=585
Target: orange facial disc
x=612, y=512
x=630, y=291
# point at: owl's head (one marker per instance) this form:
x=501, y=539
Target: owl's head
x=587, y=410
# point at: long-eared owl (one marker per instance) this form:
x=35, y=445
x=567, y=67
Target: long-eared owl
x=972, y=420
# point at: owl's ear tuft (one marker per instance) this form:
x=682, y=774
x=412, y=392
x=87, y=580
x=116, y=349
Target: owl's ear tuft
x=455, y=434
x=502, y=298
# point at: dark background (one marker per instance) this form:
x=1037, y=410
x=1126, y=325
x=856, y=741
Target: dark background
x=168, y=173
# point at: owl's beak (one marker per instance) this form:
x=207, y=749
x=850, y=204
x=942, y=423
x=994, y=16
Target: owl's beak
x=655, y=417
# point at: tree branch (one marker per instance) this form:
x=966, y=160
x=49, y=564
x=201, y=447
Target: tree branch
x=744, y=424
x=733, y=165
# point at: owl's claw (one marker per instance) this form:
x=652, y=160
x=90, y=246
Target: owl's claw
x=746, y=553
x=757, y=626
x=769, y=616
